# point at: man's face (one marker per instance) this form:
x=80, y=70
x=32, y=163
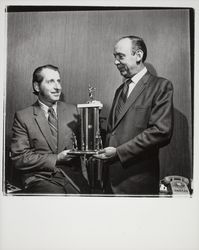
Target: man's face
x=125, y=59
x=50, y=88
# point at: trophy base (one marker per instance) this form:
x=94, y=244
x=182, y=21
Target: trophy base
x=82, y=152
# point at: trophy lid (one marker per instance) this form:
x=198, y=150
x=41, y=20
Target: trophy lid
x=93, y=104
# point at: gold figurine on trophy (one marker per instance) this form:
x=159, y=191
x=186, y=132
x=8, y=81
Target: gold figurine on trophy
x=91, y=91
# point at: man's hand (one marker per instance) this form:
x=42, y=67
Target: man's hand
x=63, y=156
x=106, y=153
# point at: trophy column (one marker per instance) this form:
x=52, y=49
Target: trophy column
x=90, y=131
x=90, y=142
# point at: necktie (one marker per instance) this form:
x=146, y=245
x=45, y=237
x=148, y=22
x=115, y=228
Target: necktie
x=122, y=99
x=52, y=121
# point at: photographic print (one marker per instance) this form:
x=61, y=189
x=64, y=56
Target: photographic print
x=145, y=148
x=99, y=125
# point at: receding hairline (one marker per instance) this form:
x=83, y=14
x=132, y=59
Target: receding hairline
x=132, y=40
x=136, y=43
x=48, y=68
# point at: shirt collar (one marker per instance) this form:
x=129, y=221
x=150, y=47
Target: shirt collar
x=139, y=75
x=45, y=108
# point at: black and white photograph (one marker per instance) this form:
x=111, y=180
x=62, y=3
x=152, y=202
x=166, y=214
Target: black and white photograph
x=120, y=96
x=98, y=112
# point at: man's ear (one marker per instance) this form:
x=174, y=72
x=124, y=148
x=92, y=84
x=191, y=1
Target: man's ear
x=139, y=54
x=36, y=87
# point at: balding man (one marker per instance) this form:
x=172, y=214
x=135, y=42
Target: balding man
x=140, y=122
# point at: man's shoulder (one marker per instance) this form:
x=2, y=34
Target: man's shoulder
x=68, y=108
x=64, y=105
x=25, y=114
x=159, y=81
x=27, y=110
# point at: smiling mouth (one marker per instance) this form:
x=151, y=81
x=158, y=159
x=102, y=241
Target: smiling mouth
x=121, y=68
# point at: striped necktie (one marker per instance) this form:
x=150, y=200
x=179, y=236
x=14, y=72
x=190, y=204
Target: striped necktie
x=122, y=99
x=52, y=121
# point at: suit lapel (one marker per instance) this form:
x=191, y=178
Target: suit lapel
x=111, y=118
x=140, y=86
x=61, y=125
x=43, y=125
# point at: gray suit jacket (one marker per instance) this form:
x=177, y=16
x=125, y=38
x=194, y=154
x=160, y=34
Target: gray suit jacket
x=32, y=147
x=143, y=126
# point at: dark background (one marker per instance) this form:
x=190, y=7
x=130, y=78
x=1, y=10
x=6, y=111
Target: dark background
x=80, y=42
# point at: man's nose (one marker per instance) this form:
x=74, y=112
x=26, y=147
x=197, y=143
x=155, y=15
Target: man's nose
x=116, y=61
x=57, y=85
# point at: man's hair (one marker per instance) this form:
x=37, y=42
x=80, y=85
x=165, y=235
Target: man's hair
x=37, y=77
x=137, y=43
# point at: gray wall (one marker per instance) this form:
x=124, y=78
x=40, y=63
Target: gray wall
x=81, y=44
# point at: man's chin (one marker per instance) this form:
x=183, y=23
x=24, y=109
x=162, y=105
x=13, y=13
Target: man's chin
x=123, y=73
x=55, y=97
x=54, y=100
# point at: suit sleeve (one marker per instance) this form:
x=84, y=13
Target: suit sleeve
x=160, y=126
x=24, y=155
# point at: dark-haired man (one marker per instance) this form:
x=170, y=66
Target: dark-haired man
x=140, y=122
x=42, y=137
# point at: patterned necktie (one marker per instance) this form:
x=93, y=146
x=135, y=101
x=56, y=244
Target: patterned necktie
x=52, y=121
x=122, y=99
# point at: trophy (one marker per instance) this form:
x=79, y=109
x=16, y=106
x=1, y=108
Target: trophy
x=90, y=140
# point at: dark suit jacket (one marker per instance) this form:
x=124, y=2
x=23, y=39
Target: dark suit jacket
x=32, y=148
x=143, y=126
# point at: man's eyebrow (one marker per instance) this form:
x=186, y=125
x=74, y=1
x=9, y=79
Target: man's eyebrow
x=51, y=80
x=118, y=53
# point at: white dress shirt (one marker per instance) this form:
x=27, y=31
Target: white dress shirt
x=135, y=79
x=45, y=108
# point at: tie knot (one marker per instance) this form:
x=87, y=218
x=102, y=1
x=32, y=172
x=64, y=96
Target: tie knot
x=52, y=111
x=128, y=81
